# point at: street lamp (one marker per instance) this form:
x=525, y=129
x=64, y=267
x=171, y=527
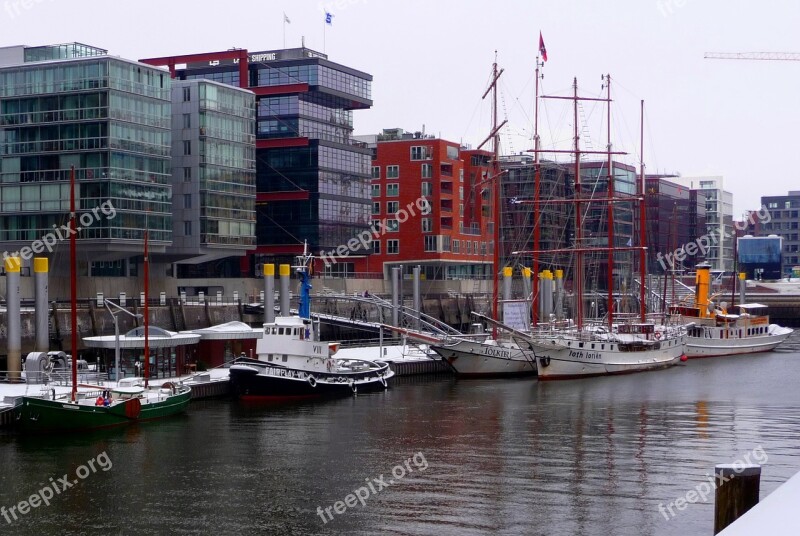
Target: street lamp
x=109, y=304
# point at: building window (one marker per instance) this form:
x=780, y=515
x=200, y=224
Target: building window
x=392, y=247
x=460, y=175
x=427, y=227
x=376, y=246
x=187, y=174
x=427, y=189
x=430, y=242
x=392, y=207
x=456, y=246
x=425, y=208
x=187, y=120
x=187, y=200
x=475, y=247
x=392, y=226
x=376, y=172
x=376, y=207
x=392, y=189
x=187, y=228
x=376, y=190
x=419, y=152
x=461, y=209
x=427, y=171
x=469, y=247
x=187, y=147
x=187, y=94
x=392, y=172
x=461, y=192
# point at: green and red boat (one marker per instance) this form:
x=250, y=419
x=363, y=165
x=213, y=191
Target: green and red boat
x=95, y=406
x=127, y=405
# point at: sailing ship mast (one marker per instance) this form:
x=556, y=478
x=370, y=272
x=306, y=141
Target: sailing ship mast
x=537, y=180
x=610, y=170
x=146, y=307
x=642, y=223
x=578, y=275
x=73, y=283
x=494, y=135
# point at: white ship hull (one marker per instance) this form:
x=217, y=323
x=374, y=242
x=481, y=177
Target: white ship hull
x=486, y=359
x=721, y=341
x=568, y=358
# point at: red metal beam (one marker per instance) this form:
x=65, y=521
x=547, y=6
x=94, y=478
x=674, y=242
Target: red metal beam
x=171, y=61
x=281, y=249
x=281, y=142
x=295, y=195
x=283, y=89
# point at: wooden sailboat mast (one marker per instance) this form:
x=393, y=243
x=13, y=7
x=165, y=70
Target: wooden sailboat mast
x=537, y=179
x=146, y=307
x=610, y=170
x=495, y=137
x=73, y=283
x=642, y=223
x=578, y=275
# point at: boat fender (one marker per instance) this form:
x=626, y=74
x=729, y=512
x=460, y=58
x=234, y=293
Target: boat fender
x=329, y=365
x=312, y=381
x=354, y=387
x=383, y=380
x=544, y=360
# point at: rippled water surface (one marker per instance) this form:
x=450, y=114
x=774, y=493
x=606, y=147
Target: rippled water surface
x=593, y=456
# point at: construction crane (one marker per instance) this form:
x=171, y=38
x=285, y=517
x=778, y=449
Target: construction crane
x=777, y=56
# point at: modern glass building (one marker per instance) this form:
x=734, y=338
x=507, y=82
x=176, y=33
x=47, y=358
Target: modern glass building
x=312, y=178
x=72, y=105
x=719, y=218
x=780, y=215
x=213, y=171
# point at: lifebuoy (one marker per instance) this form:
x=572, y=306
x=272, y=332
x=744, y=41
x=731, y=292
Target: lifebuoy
x=658, y=335
x=312, y=381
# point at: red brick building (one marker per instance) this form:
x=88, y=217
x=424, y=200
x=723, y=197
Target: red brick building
x=430, y=207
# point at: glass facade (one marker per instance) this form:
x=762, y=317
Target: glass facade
x=213, y=176
x=319, y=156
x=227, y=166
x=107, y=117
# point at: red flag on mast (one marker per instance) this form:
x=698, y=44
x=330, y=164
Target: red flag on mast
x=542, y=49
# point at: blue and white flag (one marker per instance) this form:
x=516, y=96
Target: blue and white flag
x=329, y=18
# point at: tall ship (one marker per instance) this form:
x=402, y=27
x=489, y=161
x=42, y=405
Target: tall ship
x=616, y=343
x=292, y=363
x=489, y=356
x=714, y=331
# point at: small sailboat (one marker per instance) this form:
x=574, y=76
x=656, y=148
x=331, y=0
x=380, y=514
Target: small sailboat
x=292, y=364
x=95, y=407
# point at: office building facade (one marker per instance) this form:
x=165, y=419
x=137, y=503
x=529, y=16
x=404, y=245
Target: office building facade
x=312, y=177
x=719, y=218
x=675, y=218
x=783, y=213
x=73, y=105
x=213, y=174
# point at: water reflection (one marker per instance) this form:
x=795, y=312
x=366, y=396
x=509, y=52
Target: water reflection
x=505, y=457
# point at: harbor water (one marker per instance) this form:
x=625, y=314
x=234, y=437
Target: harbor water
x=430, y=456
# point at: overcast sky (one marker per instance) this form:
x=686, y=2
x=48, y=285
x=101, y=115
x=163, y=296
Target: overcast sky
x=431, y=61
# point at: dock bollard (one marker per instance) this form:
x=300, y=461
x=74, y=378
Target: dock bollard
x=737, y=492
